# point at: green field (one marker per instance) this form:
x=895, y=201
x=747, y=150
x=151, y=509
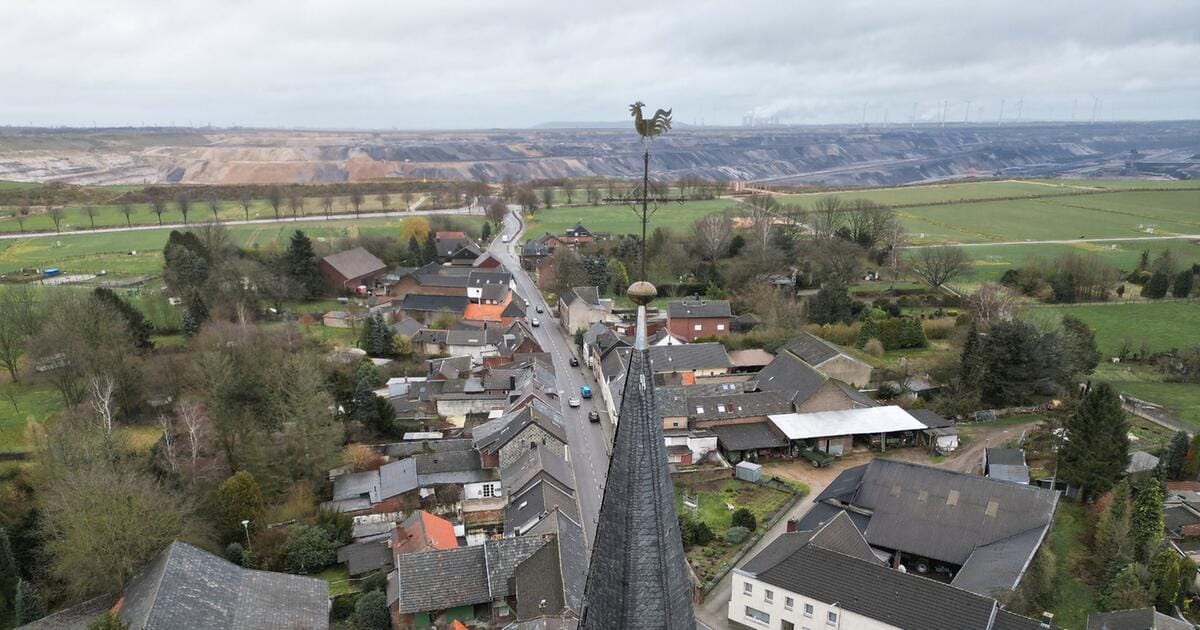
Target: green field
x=989, y=262
x=111, y=251
x=937, y=193
x=1162, y=325
x=622, y=220
x=34, y=403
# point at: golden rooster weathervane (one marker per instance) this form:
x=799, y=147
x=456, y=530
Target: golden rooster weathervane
x=657, y=125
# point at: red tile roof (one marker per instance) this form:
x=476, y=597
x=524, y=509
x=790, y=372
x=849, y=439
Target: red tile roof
x=423, y=531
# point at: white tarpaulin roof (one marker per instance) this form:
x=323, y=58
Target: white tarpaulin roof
x=802, y=426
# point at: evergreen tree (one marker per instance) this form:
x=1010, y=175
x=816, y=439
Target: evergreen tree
x=485, y=233
x=1176, y=455
x=1164, y=574
x=139, y=327
x=867, y=330
x=8, y=568
x=831, y=304
x=371, y=612
x=1156, y=287
x=376, y=338
x=1019, y=361
x=414, y=250
x=1096, y=450
x=971, y=369
x=1078, y=342
x=1144, y=260
x=194, y=315
x=300, y=264
x=1183, y=284
x=366, y=370
x=1191, y=465
x=1111, y=540
x=1126, y=590
x=189, y=325
x=1146, y=523
x=29, y=607
x=429, y=253
x=238, y=498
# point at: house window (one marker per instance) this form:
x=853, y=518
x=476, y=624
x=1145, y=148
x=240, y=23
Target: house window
x=831, y=618
x=747, y=588
x=808, y=610
x=720, y=326
x=786, y=625
x=768, y=596
x=720, y=408
x=698, y=327
x=788, y=603
x=699, y=410
x=758, y=616
x=487, y=491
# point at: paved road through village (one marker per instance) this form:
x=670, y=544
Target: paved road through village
x=588, y=441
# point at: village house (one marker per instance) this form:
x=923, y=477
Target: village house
x=347, y=271
x=694, y=318
x=830, y=577
x=503, y=441
x=582, y=307
x=1136, y=619
x=830, y=360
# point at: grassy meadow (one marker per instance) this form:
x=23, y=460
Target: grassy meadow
x=621, y=219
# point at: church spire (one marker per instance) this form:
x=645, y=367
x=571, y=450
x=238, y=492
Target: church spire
x=638, y=576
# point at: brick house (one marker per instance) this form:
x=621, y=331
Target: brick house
x=693, y=318
x=348, y=270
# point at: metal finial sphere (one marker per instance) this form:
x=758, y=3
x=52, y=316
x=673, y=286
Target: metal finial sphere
x=641, y=293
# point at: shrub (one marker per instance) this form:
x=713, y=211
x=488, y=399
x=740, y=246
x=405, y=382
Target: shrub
x=371, y=612
x=873, y=347
x=339, y=525
x=736, y=535
x=309, y=548
x=361, y=458
x=704, y=534
x=234, y=552
x=939, y=328
x=343, y=606
x=743, y=517
x=841, y=334
x=238, y=498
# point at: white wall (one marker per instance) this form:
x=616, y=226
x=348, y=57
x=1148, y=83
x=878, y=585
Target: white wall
x=778, y=611
x=476, y=490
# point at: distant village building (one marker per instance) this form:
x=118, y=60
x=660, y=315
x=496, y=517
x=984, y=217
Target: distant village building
x=348, y=270
x=695, y=318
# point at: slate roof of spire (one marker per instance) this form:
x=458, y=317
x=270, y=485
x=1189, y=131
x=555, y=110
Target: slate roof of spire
x=638, y=577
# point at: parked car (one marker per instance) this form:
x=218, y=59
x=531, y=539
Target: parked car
x=574, y=362
x=539, y=309
x=535, y=322
x=594, y=416
x=585, y=391
x=574, y=402
x=504, y=238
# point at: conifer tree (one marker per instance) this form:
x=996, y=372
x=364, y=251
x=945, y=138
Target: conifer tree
x=1111, y=540
x=1125, y=590
x=429, y=253
x=1191, y=464
x=1095, y=452
x=1176, y=455
x=1156, y=287
x=1183, y=284
x=971, y=370
x=1164, y=574
x=414, y=250
x=29, y=607
x=301, y=264
x=8, y=568
x=1146, y=522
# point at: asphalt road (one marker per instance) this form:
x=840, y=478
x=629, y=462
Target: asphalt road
x=588, y=442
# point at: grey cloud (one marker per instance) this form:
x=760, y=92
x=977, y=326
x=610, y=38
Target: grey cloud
x=382, y=63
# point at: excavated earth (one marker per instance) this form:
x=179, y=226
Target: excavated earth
x=791, y=155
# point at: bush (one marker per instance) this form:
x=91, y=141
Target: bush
x=371, y=612
x=234, y=552
x=309, y=548
x=873, y=347
x=343, y=606
x=939, y=328
x=890, y=391
x=736, y=535
x=704, y=534
x=743, y=517
x=339, y=525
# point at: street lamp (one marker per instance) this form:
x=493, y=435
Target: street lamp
x=246, y=526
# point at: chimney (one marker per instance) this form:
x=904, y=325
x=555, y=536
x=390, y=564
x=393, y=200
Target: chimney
x=792, y=524
x=1047, y=620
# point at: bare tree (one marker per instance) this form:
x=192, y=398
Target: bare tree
x=763, y=214
x=127, y=210
x=275, y=198
x=548, y=197
x=21, y=215
x=184, y=203
x=100, y=388
x=827, y=216
x=497, y=210
x=407, y=196
x=327, y=204
x=90, y=211
x=568, y=189
x=992, y=303
x=214, y=206
x=168, y=439
x=158, y=206
x=296, y=205
x=939, y=264
x=19, y=319
x=244, y=200
x=56, y=215
x=356, y=200
x=193, y=420
x=868, y=221
x=713, y=234
x=384, y=199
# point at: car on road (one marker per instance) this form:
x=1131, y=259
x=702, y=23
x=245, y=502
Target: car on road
x=539, y=309
x=585, y=391
x=504, y=238
x=574, y=402
x=535, y=322
x=574, y=362
x=594, y=416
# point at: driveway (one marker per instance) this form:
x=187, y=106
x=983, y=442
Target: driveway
x=588, y=442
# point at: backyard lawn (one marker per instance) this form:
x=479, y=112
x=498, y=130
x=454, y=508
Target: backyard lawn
x=1073, y=598
x=713, y=508
x=34, y=403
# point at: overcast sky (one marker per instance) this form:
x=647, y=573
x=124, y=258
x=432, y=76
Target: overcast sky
x=515, y=63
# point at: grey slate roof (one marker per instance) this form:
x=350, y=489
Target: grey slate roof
x=930, y=418
x=699, y=308
x=587, y=295
x=503, y=558
x=948, y=516
x=1136, y=619
x=638, y=577
x=837, y=534
x=415, y=447
x=536, y=463
x=789, y=375
x=364, y=557
x=812, y=349
x=737, y=405
x=688, y=356
x=407, y=327
x=900, y=600
x=396, y=478
x=745, y=437
x=572, y=554
x=1140, y=461
x=76, y=617
x=355, y=263
x=186, y=587
x=431, y=303
x=437, y=580
x=510, y=425
x=536, y=502
x=1005, y=456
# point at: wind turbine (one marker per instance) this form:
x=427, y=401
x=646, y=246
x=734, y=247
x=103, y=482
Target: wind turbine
x=1095, y=107
x=1000, y=121
x=1020, y=105
x=1074, y=106
x=967, y=114
x=913, y=120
